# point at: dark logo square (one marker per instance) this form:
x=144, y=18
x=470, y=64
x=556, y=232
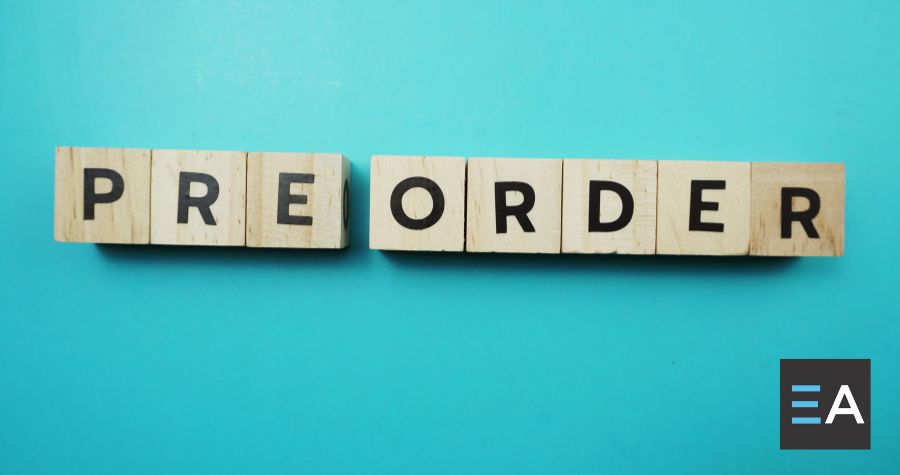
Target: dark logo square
x=825, y=404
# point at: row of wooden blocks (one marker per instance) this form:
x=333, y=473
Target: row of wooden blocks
x=606, y=206
x=193, y=197
x=426, y=203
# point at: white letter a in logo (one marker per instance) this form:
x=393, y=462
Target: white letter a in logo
x=836, y=408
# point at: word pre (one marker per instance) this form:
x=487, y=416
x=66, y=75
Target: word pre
x=190, y=197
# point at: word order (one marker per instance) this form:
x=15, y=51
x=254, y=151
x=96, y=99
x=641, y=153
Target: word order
x=429, y=203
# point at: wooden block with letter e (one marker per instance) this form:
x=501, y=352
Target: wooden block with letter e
x=797, y=209
x=609, y=206
x=513, y=205
x=417, y=203
x=102, y=195
x=298, y=200
x=703, y=208
x=198, y=197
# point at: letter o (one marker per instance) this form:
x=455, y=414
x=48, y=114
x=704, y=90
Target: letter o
x=437, y=199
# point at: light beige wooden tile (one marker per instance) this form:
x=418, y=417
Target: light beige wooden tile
x=484, y=232
x=126, y=220
x=635, y=232
x=820, y=181
x=417, y=203
x=313, y=189
x=224, y=224
x=674, y=233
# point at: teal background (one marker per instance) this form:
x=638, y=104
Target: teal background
x=192, y=360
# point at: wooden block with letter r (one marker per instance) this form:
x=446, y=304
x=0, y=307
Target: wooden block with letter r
x=417, y=203
x=703, y=208
x=797, y=209
x=609, y=206
x=198, y=197
x=102, y=195
x=514, y=205
x=298, y=200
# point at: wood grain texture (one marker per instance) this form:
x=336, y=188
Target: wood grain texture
x=768, y=180
x=447, y=233
x=326, y=202
x=230, y=171
x=124, y=221
x=543, y=175
x=674, y=236
x=638, y=177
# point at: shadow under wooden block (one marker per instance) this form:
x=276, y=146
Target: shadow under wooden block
x=797, y=209
x=102, y=195
x=298, y=200
x=198, y=197
x=417, y=203
x=703, y=208
x=514, y=205
x=609, y=206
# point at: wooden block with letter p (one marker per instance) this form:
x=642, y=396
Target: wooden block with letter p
x=102, y=195
x=198, y=197
x=797, y=209
x=514, y=205
x=417, y=203
x=703, y=208
x=298, y=200
x=609, y=206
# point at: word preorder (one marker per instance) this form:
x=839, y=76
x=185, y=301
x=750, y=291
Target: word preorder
x=429, y=203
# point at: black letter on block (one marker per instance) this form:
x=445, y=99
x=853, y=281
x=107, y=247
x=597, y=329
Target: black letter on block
x=90, y=194
x=286, y=199
x=788, y=215
x=594, y=224
x=202, y=203
x=698, y=205
x=519, y=211
x=437, y=200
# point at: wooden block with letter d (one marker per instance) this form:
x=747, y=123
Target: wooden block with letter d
x=417, y=203
x=102, y=195
x=513, y=205
x=797, y=209
x=198, y=197
x=703, y=208
x=298, y=200
x=609, y=206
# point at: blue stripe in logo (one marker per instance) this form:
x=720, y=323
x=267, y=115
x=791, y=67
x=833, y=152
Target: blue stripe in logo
x=805, y=388
x=806, y=420
x=804, y=403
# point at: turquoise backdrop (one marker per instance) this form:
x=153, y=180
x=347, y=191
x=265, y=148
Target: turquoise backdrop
x=195, y=360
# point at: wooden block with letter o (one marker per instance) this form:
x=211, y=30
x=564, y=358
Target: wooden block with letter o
x=102, y=195
x=298, y=200
x=198, y=197
x=513, y=205
x=609, y=206
x=703, y=208
x=797, y=209
x=417, y=203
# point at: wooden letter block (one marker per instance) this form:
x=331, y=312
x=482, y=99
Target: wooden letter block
x=703, y=208
x=417, y=203
x=298, y=200
x=102, y=195
x=797, y=209
x=198, y=197
x=609, y=206
x=514, y=205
